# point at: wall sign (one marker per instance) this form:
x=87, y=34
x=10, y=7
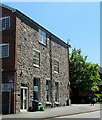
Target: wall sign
x=6, y=87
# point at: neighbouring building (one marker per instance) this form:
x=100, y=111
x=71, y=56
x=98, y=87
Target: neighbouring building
x=35, y=64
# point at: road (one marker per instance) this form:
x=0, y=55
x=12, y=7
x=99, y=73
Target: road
x=95, y=114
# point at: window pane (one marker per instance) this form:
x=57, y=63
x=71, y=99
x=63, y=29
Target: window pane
x=36, y=54
x=57, y=92
x=36, y=62
x=48, y=90
x=42, y=37
x=44, y=40
x=36, y=89
x=56, y=65
x=4, y=50
x=36, y=58
x=4, y=23
x=43, y=34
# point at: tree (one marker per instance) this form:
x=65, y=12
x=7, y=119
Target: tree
x=84, y=76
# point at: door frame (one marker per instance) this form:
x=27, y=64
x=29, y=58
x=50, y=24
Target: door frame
x=24, y=110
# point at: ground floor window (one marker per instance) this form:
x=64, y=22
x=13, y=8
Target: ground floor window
x=56, y=91
x=24, y=97
x=37, y=89
x=48, y=90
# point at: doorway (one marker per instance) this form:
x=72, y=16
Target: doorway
x=24, y=99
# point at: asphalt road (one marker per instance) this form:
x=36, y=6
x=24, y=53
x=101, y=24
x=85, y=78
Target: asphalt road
x=95, y=114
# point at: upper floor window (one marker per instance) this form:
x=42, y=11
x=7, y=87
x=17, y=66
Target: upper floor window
x=36, y=58
x=4, y=23
x=4, y=50
x=56, y=66
x=42, y=37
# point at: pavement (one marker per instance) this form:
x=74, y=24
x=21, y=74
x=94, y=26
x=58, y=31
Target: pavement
x=57, y=111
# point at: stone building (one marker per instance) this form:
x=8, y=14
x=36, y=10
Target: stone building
x=35, y=64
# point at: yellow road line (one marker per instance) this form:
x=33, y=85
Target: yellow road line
x=78, y=114
x=73, y=114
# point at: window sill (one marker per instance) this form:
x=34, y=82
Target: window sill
x=56, y=72
x=48, y=103
x=40, y=103
x=57, y=103
x=36, y=65
x=43, y=44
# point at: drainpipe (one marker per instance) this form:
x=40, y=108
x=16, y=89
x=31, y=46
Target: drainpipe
x=50, y=53
x=69, y=99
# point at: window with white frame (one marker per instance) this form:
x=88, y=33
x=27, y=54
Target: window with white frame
x=36, y=58
x=42, y=37
x=4, y=23
x=4, y=50
x=56, y=91
x=56, y=66
x=48, y=90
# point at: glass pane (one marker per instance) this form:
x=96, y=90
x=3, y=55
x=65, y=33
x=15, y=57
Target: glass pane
x=36, y=88
x=56, y=68
x=36, y=54
x=56, y=63
x=56, y=92
x=44, y=40
x=44, y=34
x=4, y=51
x=5, y=23
x=42, y=37
x=48, y=90
x=36, y=62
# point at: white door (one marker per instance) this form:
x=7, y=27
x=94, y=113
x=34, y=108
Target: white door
x=24, y=99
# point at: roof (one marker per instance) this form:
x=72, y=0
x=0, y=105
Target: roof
x=15, y=10
x=8, y=7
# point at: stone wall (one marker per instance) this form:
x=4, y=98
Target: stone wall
x=27, y=40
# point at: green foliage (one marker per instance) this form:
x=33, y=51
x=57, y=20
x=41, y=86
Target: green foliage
x=98, y=97
x=84, y=76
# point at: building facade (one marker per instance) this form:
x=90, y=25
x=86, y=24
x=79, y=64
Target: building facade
x=35, y=64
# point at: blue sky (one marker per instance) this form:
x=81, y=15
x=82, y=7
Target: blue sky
x=77, y=21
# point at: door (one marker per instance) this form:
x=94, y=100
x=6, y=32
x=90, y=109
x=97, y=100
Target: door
x=24, y=99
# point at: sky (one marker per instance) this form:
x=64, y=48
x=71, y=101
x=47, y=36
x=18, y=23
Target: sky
x=77, y=21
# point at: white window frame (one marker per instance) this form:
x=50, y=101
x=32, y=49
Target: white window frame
x=5, y=27
x=42, y=38
x=1, y=53
x=56, y=66
x=36, y=65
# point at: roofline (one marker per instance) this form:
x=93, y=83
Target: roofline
x=8, y=7
x=40, y=26
x=15, y=10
